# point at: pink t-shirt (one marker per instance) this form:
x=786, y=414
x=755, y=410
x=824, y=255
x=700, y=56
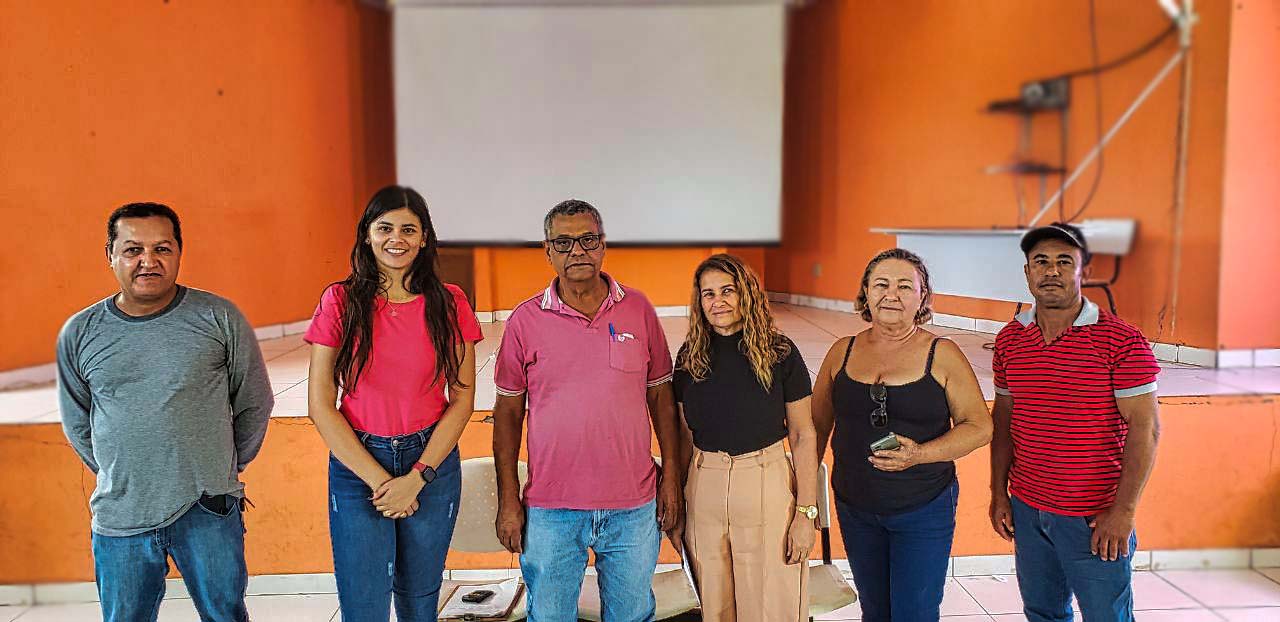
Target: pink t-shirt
x=398, y=392
x=590, y=439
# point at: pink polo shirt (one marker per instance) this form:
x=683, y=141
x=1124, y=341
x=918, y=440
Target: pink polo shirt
x=399, y=392
x=590, y=438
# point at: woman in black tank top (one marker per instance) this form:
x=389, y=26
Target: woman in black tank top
x=913, y=396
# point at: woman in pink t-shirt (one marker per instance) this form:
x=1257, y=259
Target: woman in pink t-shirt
x=392, y=336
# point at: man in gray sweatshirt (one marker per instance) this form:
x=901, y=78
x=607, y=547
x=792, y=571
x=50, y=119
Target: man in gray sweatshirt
x=165, y=396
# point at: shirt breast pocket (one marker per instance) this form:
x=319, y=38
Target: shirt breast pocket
x=628, y=355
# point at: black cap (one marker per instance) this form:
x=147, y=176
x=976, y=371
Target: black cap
x=1068, y=233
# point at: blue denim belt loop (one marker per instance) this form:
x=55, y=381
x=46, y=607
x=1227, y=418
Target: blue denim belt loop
x=394, y=442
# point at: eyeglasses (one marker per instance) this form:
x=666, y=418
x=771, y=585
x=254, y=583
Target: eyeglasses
x=880, y=395
x=588, y=242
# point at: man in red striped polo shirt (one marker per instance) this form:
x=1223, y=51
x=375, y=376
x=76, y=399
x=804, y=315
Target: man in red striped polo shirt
x=1075, y=438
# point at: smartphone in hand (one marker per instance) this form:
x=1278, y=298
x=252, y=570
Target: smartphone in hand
x=888, y=442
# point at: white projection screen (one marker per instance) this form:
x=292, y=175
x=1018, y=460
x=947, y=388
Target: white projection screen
x=665, y=116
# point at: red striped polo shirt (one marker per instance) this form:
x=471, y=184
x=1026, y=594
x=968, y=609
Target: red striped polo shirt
x=1068, y=435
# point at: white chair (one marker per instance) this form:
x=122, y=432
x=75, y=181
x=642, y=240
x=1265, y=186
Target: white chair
x=1109, y=236
x=828, y=589
x=474, y=533
x=672, y=590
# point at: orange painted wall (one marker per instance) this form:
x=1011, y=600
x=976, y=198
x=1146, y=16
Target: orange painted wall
x=505, y=277
x=884, y=128
x=266, y=125
x=1249, y=292
x=45, y=515
x=973, y=307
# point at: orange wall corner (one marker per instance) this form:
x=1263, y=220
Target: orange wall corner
x=266, y=126
x=1249, y=289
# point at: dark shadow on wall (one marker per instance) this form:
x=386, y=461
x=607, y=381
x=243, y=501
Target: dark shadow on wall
x=373, y=153
x=1266, y=509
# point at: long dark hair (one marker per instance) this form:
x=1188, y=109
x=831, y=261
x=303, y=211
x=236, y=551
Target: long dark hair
x=365, y=283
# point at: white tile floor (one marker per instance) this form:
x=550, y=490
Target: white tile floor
x=813, y=330
x=1161, y=596
x=1158, y=596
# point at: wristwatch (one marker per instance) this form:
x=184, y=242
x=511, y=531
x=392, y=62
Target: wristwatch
x=808, y=511
x=428, y=474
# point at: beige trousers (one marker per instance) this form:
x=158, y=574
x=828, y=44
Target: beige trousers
x=739, y=510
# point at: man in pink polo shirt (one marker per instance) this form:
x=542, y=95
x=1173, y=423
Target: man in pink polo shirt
x=592, y=359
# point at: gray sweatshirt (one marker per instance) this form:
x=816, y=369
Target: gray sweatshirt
x=164, y=408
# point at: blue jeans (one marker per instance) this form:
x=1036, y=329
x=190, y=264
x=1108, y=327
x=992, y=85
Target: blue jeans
x=899, y=561
x=555, y=559
x=207, y=545
x=375, y=556
x=1053, y=559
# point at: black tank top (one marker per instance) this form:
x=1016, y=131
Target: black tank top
x=917, y=410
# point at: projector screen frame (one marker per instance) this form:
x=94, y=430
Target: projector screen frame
x=622, y=244
x=724, y=192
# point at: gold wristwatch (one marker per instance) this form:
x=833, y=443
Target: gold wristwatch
x=808, y=511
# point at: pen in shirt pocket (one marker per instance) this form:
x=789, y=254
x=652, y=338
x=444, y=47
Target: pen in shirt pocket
x=613, y=335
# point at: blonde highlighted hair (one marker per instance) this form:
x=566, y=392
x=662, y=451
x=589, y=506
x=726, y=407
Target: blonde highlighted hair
x=762, y=344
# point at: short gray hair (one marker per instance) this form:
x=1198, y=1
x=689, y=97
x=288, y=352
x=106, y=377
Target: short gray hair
x=571, y=207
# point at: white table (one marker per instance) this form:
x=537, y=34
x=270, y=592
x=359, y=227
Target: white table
x=987, y=263
x=977, y=263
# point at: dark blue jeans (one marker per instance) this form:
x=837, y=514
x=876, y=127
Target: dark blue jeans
x=207, y=545
x=375, y=556
x=1053, y=558
x=899, y=561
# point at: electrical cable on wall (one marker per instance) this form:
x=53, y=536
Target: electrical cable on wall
x=1052, y=93
x=1183, y=23
x=1123, y=60
x=1179, y=190
x=1064, y=142
x=1097, y=99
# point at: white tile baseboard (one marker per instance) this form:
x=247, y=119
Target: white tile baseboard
x=17, y=594
x=44, y=374
x=1169, y=352
x=982, y=565
x=1265, y=558
x=1195, y=559
x=965, y=566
